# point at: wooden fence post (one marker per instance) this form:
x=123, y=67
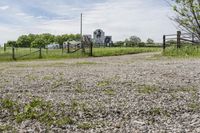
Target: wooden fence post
x=13, y=53
x=178, y=39
x=40, y=53
x=164, y=43
x=68, y=50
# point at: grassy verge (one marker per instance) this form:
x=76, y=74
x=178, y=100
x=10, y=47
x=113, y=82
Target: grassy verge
x=186, y=51
x=99, y=52
x=57, y=53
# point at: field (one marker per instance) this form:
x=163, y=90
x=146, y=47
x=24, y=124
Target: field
x=130, y=93
x=57, y=53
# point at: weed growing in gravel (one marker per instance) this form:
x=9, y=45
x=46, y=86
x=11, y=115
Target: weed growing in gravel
x=109, y=92
x=78, y=106
x=85, y=63
x=42, y=111
x=186, y=89
x=47, y=77
x=146, y=89
x=31, y=77
x=39, y=110
x=194, y=106
x=64, y=121
x=103, y=83
x=85, y=126
x=79, y=88
x=4, y=128
x=158, y=112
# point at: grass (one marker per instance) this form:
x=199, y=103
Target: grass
x=146, y=89
x=85, y=126
x=57, y=53
x=99, y=52
x=109, y=92
x=37, y=109
x=183, y=52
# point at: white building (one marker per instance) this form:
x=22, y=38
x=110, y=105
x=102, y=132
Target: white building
x=53, y=46
x=99, y=37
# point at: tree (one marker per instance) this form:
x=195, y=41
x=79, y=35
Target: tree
x=48, y=38
x=60, y=40
x=188, y=15
x=39, y=42
x=150, y=41
x=135, y=40
x=11, y=44
x=24, y=41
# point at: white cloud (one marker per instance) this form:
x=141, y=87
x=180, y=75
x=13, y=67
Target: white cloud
x=4, y=7
x=119, y=18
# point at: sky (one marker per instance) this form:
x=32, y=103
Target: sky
x=118, y=18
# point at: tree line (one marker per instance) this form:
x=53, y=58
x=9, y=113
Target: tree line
x=41, y=40
x=135, y=41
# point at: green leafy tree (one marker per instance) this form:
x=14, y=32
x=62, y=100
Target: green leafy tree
x=150, y=41
x=48, y=38
x=39, y=42
x=11, y=44
x=24, y=41
x=188, y=15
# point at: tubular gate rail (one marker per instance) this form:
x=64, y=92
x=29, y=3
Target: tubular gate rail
x=14, y=57
x=179, y=37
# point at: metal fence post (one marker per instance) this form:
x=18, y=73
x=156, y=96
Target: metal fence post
x=13, y=53
x=40, y=53
x=91, y=49
x=68, y=51
x=178, y=39
x=164, y=43
x=4, y=48
x=192, y=38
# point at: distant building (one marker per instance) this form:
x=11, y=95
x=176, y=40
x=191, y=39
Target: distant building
x=53, y=46
x=108, y=40
x=99, y=38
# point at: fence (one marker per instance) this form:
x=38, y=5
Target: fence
x=13, y=53
x=179, y=38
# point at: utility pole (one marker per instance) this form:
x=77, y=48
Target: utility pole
x=81, y=33
x=81, y=30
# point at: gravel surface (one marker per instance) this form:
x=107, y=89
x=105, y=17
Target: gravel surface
x=125, y=94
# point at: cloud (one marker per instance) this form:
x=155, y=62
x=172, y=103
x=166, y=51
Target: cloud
x=119, y=18
x=4, y=7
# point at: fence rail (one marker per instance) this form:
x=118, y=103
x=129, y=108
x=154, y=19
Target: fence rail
x=179, y=37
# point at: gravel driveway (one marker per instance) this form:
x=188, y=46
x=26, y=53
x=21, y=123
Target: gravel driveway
x=125, y=94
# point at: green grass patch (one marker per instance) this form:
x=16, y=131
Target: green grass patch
x=85, y=126
x=99, y=52
x=146, y=89
x=184, y=51
x=103, y=83
x=109, y=92
x=55, y=54
x=85, y=63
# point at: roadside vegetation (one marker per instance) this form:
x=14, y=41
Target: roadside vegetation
x=183, y=52
x=57, y=53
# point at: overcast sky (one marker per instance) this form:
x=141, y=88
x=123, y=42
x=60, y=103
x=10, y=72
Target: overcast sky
x=119, y=18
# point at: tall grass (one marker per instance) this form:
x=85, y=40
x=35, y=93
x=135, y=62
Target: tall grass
x=57, y=53
x=185, y=51
x=98, y=52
